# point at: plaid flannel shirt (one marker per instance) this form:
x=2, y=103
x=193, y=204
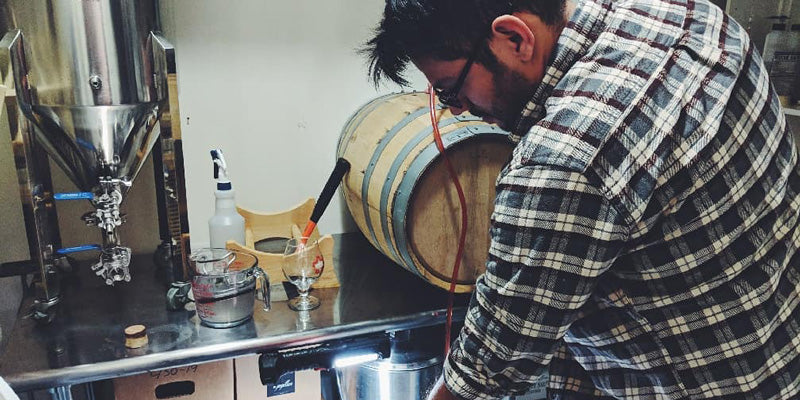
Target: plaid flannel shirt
x=644, y=236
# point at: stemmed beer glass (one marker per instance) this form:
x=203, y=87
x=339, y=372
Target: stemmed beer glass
x=302, y=266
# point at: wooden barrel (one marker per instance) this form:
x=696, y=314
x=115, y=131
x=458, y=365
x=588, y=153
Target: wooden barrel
x=401, y=196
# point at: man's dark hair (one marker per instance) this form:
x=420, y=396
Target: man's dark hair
x=443, y=30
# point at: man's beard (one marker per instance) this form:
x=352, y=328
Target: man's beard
x=511, y=93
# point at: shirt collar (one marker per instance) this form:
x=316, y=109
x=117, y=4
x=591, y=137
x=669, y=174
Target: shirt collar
x=580, y=32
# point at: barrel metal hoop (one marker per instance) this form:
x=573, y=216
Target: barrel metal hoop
x=392, y=175
x=418, y=166
x=376, y=155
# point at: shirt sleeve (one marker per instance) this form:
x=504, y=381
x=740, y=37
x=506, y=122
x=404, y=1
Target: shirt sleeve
x=553, y=234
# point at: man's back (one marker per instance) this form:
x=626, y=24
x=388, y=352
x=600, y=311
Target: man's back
x=691, y=283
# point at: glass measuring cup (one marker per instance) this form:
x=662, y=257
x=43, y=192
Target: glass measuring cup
x=224, y=286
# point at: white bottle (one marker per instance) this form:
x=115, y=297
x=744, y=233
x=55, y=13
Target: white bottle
x=226, y=224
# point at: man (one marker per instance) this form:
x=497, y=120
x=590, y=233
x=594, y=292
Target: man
x=644, y=236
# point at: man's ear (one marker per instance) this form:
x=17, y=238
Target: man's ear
x=511, y=36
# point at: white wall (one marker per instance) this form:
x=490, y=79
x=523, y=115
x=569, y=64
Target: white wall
x=272, y=83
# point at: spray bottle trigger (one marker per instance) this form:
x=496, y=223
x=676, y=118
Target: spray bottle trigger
x=214, y=159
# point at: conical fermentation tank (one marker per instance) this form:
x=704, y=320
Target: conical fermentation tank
x=90, y=76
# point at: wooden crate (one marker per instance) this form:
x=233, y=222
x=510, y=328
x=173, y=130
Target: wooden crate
x=285, y=224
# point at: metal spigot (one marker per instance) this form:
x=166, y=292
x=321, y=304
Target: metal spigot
x=114, y=258
x=113, y=265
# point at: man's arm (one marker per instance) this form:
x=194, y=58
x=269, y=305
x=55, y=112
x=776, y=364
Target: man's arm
x=553, y=234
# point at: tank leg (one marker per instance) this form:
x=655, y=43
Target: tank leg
x=61, y=393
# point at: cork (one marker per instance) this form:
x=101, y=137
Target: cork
x=135, y=336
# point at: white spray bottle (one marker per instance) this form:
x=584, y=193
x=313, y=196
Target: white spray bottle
x=226, y=224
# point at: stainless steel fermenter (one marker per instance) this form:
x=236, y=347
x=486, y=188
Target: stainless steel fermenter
x=87, y=81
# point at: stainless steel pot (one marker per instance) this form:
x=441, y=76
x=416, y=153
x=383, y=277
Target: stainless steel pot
x=389, y=379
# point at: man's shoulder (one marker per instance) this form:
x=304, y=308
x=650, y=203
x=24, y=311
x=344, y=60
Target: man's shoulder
x=595, y=92
x=658, y=23
x=641, y=39
x=650, y=27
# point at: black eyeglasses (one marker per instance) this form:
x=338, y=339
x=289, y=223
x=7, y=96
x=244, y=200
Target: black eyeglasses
x=449, y=97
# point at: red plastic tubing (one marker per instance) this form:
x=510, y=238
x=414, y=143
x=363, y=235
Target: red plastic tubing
x=437, y=137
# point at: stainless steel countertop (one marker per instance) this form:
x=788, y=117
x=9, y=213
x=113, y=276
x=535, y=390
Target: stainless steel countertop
x=86, y=343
